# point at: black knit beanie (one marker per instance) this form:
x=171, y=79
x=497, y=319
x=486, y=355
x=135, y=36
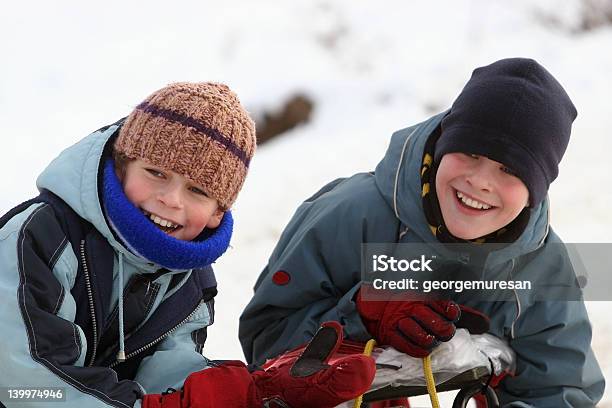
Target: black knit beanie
x=516, y=113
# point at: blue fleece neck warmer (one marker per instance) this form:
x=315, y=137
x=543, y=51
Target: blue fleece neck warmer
x=146, y=240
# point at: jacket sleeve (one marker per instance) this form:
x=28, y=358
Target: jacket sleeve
x=311, y=277
x=555, y=363
x=178, y=355
x=40, y=346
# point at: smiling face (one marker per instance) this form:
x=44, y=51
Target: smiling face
x=175, y=205
x=477, y=195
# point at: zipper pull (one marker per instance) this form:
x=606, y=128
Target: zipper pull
x=121, y=356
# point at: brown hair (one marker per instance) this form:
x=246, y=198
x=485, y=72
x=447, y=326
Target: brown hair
x=121, y=162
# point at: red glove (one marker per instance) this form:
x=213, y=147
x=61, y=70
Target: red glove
x=309, y=381
x=416, y=327
x=294, y=380
x=228, y=385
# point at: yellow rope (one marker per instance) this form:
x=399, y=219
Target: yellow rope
x=429, y=378
x=431, y=384
x=367, y=351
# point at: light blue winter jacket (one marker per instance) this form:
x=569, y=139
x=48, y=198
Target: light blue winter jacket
x=320, y=252
x=25, y=242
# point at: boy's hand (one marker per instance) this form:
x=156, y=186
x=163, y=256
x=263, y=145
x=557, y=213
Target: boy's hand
x=296, y=379
x=307, y=380
x=417, y=327
x=229, y=385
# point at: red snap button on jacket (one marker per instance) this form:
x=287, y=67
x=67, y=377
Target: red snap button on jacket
x=281, y=278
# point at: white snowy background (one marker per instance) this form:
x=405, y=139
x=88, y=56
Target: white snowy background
x=69, y=67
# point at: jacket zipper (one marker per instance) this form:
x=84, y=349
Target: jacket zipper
x=91, y=304
x=157, y=340
x=516, y=296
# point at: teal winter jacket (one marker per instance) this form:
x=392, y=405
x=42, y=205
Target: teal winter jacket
x=319, y=251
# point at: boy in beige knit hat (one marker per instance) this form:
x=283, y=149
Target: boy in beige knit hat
x=106, y=274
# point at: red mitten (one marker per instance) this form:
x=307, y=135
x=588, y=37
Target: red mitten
x=307, y=380
x=228, y=385
x=297, y=379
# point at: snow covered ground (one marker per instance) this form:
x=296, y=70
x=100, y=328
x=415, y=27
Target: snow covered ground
x=70, y=67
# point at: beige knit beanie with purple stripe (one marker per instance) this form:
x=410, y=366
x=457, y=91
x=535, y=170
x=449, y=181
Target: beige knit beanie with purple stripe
x=199, y=130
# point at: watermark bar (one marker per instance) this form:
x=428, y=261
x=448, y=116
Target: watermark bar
x=487, y=272
x=32, y=394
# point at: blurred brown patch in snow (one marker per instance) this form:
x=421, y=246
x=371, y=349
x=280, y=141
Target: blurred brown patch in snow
x=578, y=16
x=295, y=111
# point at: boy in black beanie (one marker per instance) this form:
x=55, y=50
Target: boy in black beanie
x=511, y=115
x=477, y=173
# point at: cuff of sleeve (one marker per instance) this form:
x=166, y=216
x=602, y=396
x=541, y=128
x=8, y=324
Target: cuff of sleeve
x=354, y=329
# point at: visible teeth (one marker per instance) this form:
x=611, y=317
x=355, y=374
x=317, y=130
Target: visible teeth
x=472, y=203
x=161, y=221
